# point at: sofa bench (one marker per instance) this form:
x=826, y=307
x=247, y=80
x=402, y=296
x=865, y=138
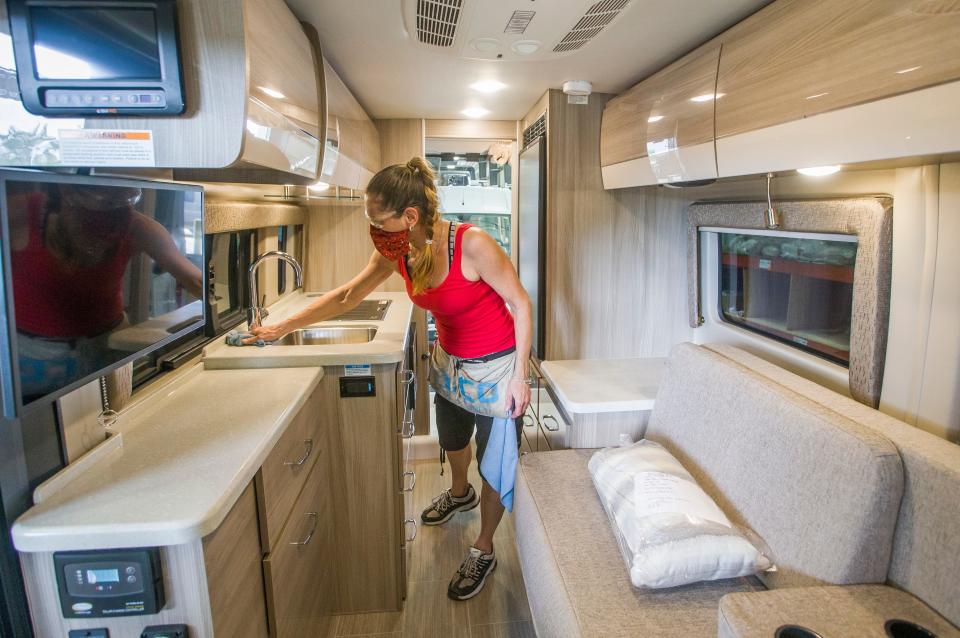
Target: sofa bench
x=818, y=477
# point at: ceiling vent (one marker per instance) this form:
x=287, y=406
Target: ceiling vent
x=519, y=22
x=593, y=21
x=437, y=21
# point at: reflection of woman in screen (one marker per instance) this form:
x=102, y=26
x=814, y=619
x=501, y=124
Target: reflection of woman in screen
x=70, y=247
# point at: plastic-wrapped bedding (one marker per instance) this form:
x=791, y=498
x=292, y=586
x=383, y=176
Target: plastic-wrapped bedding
x=669, y=530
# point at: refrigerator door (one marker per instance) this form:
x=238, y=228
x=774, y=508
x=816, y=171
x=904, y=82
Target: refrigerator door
x=531, y=235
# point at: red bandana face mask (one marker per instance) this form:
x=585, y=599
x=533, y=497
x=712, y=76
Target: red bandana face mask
x=393, y=245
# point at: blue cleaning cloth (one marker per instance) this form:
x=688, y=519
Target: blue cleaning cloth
x=235, y=338
x=499, y=463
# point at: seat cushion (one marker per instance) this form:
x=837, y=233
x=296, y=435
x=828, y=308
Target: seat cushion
x=820, y=489
x=859, y=610
x=926, y=544
x=577, y=583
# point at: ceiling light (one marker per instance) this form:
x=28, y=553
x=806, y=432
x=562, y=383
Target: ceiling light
x=488, y=86
x=475, y=111
x=910, y=70
x=319, y=186
x=654, y=118
x=707, y=97
x=272, y=92
x=486, y=45
x=818, y=171
x=525, y=47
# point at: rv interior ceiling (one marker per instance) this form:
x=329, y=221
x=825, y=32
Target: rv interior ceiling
x=478, y=318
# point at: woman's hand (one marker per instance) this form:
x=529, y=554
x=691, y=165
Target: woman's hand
x=520, y=396
x=267, y=333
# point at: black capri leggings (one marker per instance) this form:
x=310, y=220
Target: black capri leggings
x=455, y=427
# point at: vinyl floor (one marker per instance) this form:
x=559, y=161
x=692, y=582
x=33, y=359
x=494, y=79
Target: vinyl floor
x=499, y=611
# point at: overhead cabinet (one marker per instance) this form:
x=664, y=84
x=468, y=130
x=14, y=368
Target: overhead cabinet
x=799, y=83
x=661, y=130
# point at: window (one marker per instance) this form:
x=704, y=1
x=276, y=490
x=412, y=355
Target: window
x=796, y=288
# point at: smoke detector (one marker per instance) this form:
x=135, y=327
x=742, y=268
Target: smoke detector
x=578, y=91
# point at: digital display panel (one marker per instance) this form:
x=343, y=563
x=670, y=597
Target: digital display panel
x=95, y=43
x=103, y=576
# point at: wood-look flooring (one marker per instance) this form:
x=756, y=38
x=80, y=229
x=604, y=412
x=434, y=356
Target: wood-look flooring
x=499, y=611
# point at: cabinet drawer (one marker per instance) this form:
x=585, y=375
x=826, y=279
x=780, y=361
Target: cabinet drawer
x=299, y=577
x=283, y=474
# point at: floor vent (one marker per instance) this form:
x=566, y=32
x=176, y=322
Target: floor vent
x=437, y=21
x=593, y=21
x=519, y=22
x=535, y=130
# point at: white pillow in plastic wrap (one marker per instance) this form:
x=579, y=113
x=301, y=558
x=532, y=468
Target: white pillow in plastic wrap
x=670, y=531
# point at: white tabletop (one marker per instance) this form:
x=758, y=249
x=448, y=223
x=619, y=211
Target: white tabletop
x=586, y=386
x=186, y=456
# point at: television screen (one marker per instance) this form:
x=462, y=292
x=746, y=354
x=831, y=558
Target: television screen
x=101, y=271
x=84, y=43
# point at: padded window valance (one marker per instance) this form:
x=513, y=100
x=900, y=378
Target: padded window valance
x=870, y=219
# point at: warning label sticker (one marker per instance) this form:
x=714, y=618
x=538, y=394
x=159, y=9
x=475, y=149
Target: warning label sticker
x=106, y=147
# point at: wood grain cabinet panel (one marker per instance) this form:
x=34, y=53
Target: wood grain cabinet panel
x=797, y=58
x=669, y=110
x=299, y=571
x=284, y=473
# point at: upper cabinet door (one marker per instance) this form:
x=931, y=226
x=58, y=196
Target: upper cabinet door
x=798, y=58
x=661, y=130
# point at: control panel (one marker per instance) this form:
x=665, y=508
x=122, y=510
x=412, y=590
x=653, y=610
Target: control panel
x=104, y=100
x=104, y=583
x=358, y=387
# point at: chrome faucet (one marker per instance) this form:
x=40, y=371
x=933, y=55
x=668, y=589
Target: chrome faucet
x=256, y=313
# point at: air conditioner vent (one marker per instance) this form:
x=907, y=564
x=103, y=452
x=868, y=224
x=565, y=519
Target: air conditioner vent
x=593, y=21
x=437, y=21
x=535, y=130
x=519, y=22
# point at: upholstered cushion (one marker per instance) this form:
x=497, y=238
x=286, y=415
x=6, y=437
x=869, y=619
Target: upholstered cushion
x=926, y=546
x=820, y=489
x=577, y=583
x=860, y=610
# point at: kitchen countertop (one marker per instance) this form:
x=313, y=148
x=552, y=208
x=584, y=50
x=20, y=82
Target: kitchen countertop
x=386, y=347
x=586, y=386
x=184, y=457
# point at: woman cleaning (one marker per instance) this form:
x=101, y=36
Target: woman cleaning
x=484, y=328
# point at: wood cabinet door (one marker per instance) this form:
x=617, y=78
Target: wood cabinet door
x=299, y=571
x=667, y=117
x=797, y=58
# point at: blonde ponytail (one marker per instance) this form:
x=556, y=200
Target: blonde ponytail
x=412, y=185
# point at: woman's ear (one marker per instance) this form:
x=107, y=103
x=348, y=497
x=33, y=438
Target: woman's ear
x=411, y=214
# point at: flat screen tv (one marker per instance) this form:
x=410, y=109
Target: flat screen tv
x=96, y=272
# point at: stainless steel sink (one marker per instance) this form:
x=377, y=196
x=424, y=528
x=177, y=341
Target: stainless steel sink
x=327, y=336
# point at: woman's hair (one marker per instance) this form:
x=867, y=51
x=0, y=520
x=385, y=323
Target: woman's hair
x=411, y=185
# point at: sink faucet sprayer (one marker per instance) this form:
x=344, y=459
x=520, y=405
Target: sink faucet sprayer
x=255, y=313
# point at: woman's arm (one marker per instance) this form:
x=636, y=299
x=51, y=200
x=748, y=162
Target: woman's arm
x=338, y=300
x=485, y=260
x=149, y=236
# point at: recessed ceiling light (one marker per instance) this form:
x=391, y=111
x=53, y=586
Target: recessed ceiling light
x=486, y=45
x=707, y=97
x=818, y=171
x=525, y=47
x=488, y=86
x=654, y=118
x=319, y=186
x=475, y=111
x=272, y=92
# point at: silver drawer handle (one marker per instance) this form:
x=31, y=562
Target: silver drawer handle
x=309, y=537
x=524, y=420
x=413, y=483
x=407, y=522
x=308, y=445
x=556, y=427
x=407, y=427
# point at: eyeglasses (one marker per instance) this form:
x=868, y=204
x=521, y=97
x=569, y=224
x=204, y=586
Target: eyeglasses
x=379, y=224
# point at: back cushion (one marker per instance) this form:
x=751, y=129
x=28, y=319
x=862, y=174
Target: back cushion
x=821, y=490
x=926, y=544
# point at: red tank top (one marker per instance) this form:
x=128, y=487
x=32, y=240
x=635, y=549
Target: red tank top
x=472, y=318
x=52, y=300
